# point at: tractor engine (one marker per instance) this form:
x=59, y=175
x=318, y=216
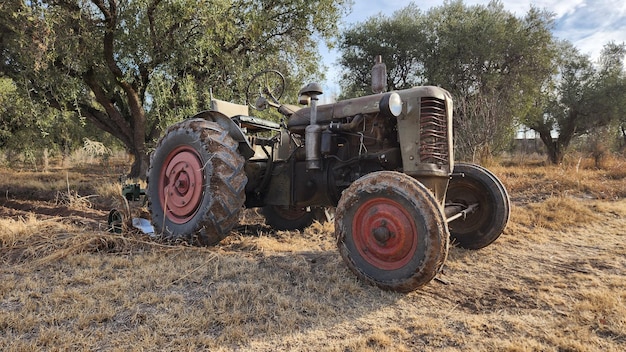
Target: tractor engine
x=407, y=131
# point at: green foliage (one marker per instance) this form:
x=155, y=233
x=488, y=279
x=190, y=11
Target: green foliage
x=399, y=39
x=131, y=67
x=26, y=126
x=491, y=61
x=582, y=98
x=11, y=110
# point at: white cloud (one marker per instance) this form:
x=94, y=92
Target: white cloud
x=592, y=26
x=559, y=8
x=591, y=44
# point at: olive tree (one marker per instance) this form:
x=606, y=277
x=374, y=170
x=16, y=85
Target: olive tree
x=130, y=67
x=580, y=98
x=399, y=39
x=491, y=61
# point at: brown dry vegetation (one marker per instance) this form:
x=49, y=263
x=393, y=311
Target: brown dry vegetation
x=554, y=281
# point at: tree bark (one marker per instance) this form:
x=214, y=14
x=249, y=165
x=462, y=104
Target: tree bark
x=554, y=148
x=130, y=130
x=139, y=168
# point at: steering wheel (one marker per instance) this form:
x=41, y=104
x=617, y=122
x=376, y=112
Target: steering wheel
x=265, y=87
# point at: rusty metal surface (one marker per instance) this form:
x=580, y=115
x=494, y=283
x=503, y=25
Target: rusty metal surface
x=419, y=156
x=342, y=109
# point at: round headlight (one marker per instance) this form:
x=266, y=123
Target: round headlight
x=391, y=103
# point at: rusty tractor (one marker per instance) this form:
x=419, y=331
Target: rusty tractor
x=384, y=161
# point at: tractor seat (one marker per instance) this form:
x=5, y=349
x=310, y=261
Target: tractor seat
x=229, y=109
x=240, y=114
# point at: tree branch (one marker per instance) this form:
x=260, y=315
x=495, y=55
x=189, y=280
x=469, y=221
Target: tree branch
x=113, y=114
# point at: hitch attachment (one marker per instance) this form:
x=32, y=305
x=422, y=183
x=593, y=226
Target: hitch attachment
x=462, y=213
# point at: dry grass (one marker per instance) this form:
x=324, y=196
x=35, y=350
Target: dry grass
x=553, y=282
x=533, y=181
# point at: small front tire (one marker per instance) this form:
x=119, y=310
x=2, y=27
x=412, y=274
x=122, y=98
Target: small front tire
x=473, y=184
x=391, y=231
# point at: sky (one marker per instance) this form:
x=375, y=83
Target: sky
x=588, y=24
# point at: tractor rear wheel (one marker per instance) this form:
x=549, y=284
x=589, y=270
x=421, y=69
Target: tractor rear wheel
x=391, y=231
x=471, y=184
x=289, y=219
x=196, y=183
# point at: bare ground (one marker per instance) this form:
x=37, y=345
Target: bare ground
x=554, y=281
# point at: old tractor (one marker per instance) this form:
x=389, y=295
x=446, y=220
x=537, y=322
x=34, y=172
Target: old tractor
x=384, y=161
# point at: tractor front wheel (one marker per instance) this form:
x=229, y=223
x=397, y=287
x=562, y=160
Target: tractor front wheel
x=473, y=184
x=196, y=183
x=391, y=231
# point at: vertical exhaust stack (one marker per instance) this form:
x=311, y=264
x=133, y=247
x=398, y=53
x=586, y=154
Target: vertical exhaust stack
x=313, y=131
x=379, y=75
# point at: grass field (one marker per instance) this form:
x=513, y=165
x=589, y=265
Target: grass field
x=554, y=281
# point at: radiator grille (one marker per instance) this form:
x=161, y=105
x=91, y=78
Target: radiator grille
x=433, y=131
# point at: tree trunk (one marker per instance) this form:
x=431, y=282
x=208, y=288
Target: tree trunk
x=140, y=165
x=555, y=153
x=46, y=160
x=138, y=123
x=553, y=148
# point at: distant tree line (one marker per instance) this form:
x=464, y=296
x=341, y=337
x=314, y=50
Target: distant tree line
x=71, y=69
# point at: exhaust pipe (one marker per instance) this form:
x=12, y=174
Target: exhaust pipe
x=379, y=75
x=312, y=132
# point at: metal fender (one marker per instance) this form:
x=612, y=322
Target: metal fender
x=233, y=129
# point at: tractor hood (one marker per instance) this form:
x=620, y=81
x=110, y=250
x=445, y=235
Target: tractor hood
x=363, y=105
x=383, y=103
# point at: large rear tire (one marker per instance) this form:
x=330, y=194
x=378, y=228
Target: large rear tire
x=471, y=184
x=391, y=231
x=196, y=183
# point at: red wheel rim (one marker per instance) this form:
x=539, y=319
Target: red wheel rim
x=384, y=233
x=180, y=184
